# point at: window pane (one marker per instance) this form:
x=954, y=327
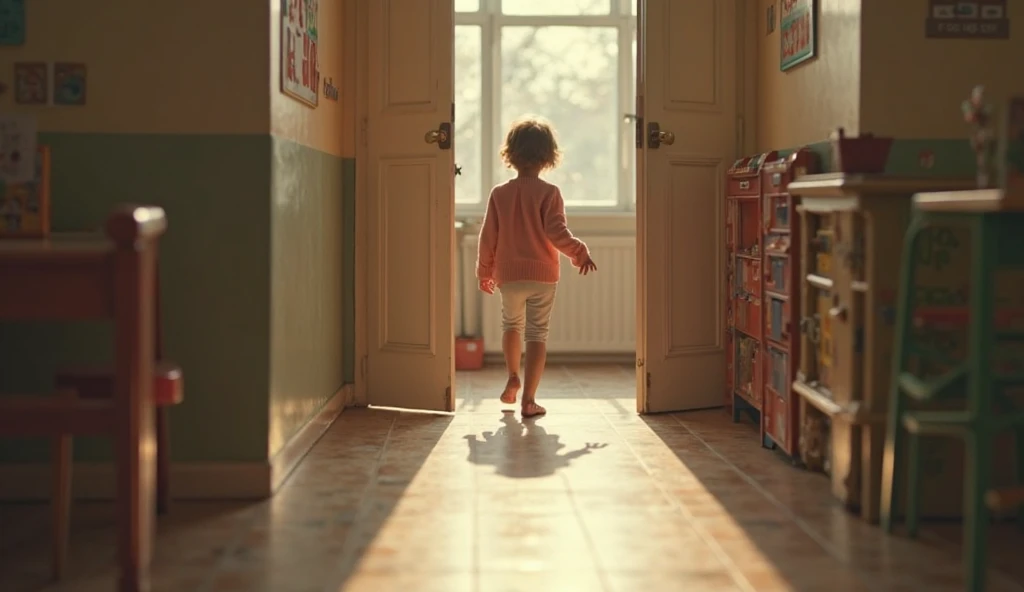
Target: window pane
x=557, y=7
x=468, y=103
x=633, y=7
x=472, y=5
x=569, y=76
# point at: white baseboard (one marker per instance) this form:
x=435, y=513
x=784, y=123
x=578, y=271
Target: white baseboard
x=291, y=454
x=189, y=481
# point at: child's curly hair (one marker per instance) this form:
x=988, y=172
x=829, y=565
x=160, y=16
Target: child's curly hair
x=530, y=145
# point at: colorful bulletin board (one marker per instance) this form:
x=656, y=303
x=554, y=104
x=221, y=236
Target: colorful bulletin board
x=25, y=207
x=798, y=26
x=12, y=22
x=977, y=19
x=300, y=65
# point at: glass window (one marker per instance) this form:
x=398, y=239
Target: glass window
x=474, y=5
x=556, y=7
x=468, y=114
x=568, y=75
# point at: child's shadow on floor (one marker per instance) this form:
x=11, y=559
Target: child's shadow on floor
x=522, y=449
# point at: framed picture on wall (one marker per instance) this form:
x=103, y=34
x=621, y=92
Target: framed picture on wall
x=300, y=62
x=798, y=32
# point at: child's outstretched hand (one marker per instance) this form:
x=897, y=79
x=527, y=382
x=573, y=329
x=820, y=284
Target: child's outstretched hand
x=487, y=286
x=588, y=266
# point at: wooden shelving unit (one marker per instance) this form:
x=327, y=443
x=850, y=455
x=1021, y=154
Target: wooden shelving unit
x=744, y=285
x=850, y=251
x=781, y=290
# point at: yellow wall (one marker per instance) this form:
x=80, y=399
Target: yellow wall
x=913, y=86
x=808, y=102
x=138, y=53
x=322, y=128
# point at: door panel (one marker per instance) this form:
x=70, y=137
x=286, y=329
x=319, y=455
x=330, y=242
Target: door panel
x=411, y=210
x=687, y=87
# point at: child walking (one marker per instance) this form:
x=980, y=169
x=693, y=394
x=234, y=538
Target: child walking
x=523, y=232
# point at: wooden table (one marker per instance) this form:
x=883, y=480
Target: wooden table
x=79, y=277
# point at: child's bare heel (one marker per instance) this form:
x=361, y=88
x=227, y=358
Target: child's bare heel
x=508, y=396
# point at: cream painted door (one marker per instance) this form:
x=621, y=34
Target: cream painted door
x=412, y=205
x=687, y=91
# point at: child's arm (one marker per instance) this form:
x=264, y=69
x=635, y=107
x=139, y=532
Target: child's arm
x=488, y=243
x=559, y=234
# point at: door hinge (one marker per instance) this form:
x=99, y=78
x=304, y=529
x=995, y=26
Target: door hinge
x=648, y=381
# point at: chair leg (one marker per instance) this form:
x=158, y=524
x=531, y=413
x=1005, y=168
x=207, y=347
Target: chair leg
x=62, y=464
x=904, y=326
x=976, y=517
x=163, y=461
x=1019, y=437
x=913, y=497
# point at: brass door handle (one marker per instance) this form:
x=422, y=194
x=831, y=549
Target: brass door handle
x=442, y=136
x=656, y=137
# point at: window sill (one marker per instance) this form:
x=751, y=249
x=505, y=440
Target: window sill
x=606, y=223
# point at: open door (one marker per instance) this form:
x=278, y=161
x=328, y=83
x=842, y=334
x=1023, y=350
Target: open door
x=686, y=87
x=411, y=204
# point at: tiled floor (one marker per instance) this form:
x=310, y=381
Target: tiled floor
x=591, y=497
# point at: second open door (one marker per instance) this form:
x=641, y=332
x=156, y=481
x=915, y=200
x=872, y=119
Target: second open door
x=687, y=137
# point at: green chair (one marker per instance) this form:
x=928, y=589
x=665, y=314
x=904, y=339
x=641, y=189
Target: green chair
x=984, y=409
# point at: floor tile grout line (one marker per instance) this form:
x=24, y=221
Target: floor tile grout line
x=347, y=559
x=602, y=572
x=727, y=561
x=827, y=546
x=802, y=524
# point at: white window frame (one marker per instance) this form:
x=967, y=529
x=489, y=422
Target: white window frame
x=490, y=19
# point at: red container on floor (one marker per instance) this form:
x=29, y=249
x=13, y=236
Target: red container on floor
x=469, y=353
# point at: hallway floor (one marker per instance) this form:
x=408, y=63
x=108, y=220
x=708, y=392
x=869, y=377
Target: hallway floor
x=592, y=497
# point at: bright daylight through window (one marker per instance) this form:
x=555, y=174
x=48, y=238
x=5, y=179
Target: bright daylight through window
x=571, y=61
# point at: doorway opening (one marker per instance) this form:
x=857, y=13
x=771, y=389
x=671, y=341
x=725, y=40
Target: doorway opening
x=573, y=63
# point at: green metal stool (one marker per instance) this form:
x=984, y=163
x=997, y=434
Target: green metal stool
x=997, y=242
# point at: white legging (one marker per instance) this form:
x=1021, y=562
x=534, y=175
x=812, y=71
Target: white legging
x=526, y=307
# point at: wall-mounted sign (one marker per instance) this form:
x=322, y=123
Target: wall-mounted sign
x=300, y=65
x=798, y=32
x=330, y=91
x=12, y=22
x=978, y=19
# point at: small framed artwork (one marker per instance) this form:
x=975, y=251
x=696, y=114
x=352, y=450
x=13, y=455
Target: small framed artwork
x=798, y=32
x=25, y=207
x=69, y=84
x=31, y=83
x=770, y=16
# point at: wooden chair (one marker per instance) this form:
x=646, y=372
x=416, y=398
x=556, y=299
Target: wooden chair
x=64, y=278
x=97, y=382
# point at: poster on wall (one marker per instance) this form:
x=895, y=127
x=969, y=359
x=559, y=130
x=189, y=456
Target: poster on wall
x=979, y=19
x=300, y=66
x=12, y=22
x=17, y=148
x=798, y=32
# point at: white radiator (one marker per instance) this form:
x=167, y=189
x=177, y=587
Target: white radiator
x=594, y=314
